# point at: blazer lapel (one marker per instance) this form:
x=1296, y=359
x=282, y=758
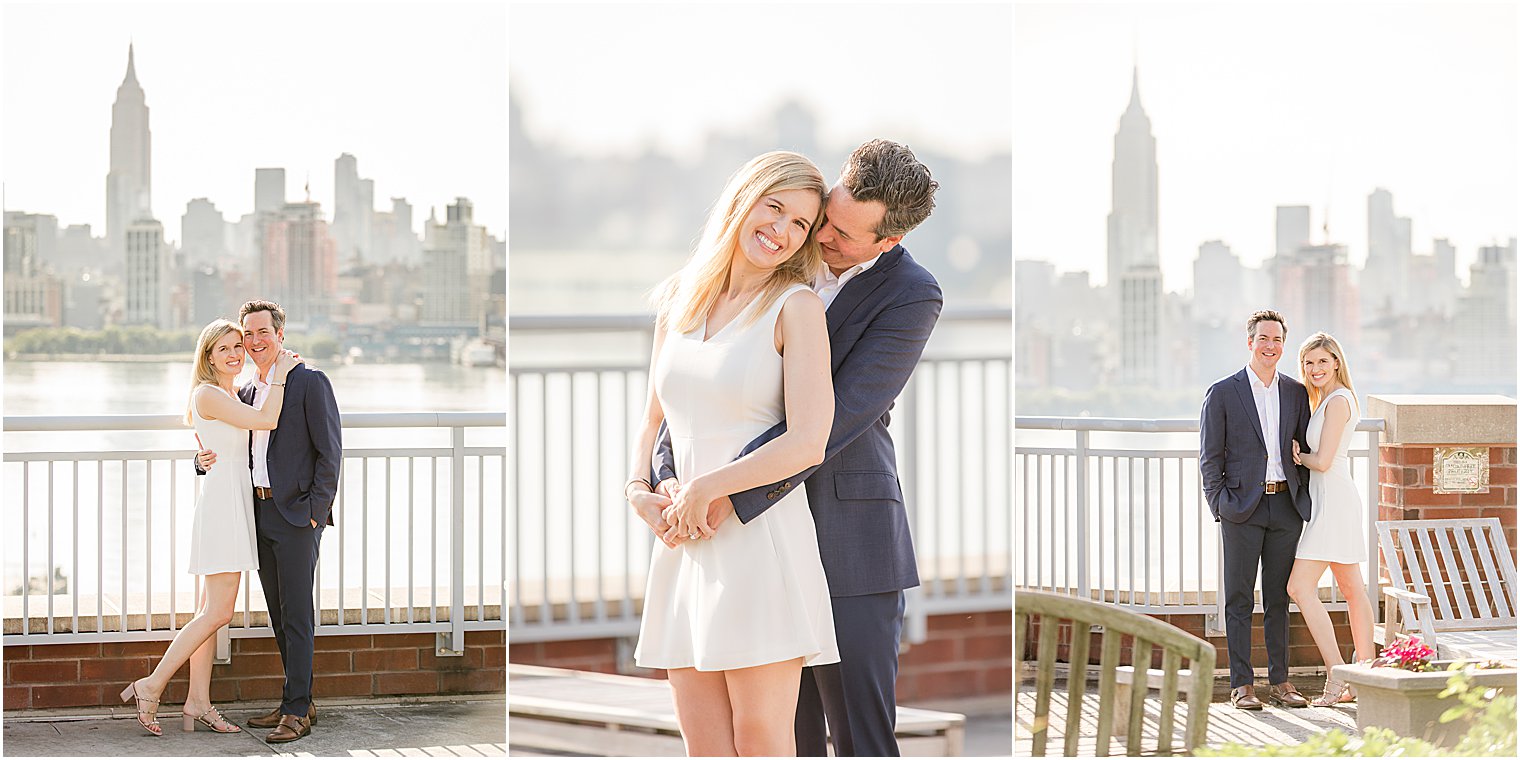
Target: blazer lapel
x=1285, y=416
x=1248, y=397
x=855, y=291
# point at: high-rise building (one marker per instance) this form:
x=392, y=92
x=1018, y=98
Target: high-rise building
x=1485, y=334
x=1218, y=283
x=1314, y=290
x=129, y=184
x=1141, y=333
x=268, y=191
x=148, y=274
x=457, y=266
x=1133, y=244
x=1292, y=229
x=353, y=209
x=1132, y=218
x=1385, y=279
x=203, y=233
x=299, y=262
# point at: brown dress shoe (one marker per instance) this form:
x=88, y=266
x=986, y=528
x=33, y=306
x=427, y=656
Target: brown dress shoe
x=1285, y=695
x=291, y=728
x=272, y=718
x=1244, y=698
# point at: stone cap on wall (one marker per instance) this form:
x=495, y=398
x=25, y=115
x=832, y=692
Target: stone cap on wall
x=1447, y=419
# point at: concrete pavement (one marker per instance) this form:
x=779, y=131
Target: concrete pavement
x=375, y=728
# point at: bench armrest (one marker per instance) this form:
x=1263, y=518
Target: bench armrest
x=1420, y=608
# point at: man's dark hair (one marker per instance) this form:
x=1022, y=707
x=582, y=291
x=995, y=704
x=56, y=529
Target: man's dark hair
x=276, y=314
x=885, y=171
x=1265, y=315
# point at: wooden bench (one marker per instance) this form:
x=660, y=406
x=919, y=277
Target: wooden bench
x=1124, y=681
x=624, y=716
x=1452, y=582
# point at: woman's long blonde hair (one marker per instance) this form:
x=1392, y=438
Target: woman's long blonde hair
x=1342, y=373
x=686, y=298
x=204, y=372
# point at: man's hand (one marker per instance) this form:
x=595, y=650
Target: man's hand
x=314, y=522
x=649, y=506
x=205, y=458
x=718, y=511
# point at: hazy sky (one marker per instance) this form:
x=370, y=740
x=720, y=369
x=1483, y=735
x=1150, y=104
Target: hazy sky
x=416, y=92
x=645, y=75
x=1259, y=105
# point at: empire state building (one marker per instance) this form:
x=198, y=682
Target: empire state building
x=1134, y=263
x=130, y=181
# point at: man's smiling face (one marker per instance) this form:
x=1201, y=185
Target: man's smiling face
x=1267, y=345
x=261, y=340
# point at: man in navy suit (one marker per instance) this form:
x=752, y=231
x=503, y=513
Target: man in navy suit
x=1260, y=500
x=295, y=479
x=881, y=308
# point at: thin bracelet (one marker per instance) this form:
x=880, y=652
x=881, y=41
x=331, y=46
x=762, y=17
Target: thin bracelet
x=645, y=481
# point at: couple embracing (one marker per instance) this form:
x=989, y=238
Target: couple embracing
x=764, y=465
x=1275, y=472
x=262, y=510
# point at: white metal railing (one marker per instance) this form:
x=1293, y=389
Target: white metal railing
x=580, y=557
x=1122, y=519
x=435, y=500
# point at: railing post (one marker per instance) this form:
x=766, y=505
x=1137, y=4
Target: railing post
x=1083, y=587
x=1374, y=553
x=451, y=643
x=916, y=618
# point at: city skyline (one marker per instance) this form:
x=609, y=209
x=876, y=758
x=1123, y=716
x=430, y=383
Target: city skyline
x=947, y=92
x=1366, y=103
x=423, y=132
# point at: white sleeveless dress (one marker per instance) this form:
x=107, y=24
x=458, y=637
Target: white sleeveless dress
x=1335, y=531
x=754, y=593
x=223, y=538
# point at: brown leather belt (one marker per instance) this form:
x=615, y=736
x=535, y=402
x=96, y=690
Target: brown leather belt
x=1275, y=486
x=268, y=493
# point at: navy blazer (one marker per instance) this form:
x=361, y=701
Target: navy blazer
x=878, y=325
x=1232, y=453
x=306, y=450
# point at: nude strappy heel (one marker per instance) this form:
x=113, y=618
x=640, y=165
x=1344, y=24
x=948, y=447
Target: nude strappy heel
x=214, y=723
x=151, y=726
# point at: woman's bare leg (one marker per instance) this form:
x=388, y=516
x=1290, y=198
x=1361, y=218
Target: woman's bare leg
x=221, y=596
x=1348, y=577
x=199, y=698
x=1303, y=586
x=702, y=709
x=764, y=700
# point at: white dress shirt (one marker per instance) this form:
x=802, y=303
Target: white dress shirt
x=261, y=437
x=1269, y=410
x=827, y=286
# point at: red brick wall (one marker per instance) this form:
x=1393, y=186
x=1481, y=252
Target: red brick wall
x=964, y=656
x=89, y=675
x=1301, y=648
x=1407, y=488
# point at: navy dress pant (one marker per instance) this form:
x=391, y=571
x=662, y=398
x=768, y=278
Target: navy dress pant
x=1267, y=539
x=855, y=699
x=287, y=570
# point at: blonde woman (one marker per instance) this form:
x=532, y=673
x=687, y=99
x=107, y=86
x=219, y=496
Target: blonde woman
x=734, y=612
x=222, y=540
x=1332, y=537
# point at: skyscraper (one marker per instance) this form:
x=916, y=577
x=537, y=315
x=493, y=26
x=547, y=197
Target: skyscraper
x=1133, y=252
x=268, y=190
x=299, y=262
x=353, y=207
x=457, y=263
x=203, y=233
x=1132, y=236
x=129, y=184
x=1292, y=229
x=1385, y=279
x=147, y=274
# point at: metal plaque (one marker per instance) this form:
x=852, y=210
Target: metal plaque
x=1460, y=470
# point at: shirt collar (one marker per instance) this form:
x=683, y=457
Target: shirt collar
x=827, y=274
x=1257, y=384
